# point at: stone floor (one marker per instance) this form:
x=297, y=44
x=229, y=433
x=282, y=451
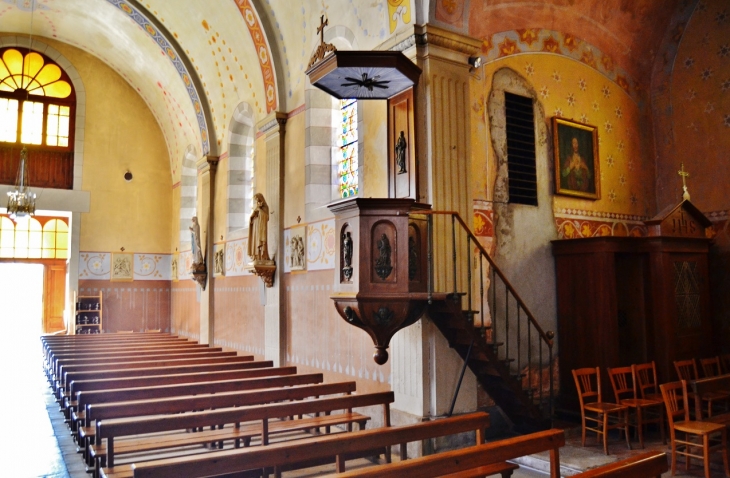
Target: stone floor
x=47, y=450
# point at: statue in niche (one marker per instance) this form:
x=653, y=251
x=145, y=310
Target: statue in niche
x=400, y=153
x=347, y=256
x=383, y=266
x=258, y=248
x=219, y=261
x=195, y=241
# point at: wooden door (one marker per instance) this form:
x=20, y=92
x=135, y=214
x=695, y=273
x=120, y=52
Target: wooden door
x=54, y=296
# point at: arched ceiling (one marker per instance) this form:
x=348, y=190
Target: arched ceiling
x=194, y=62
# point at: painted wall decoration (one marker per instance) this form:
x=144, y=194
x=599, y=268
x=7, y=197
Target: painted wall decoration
x=132, y=266
x=399, y=11
x=451, y=12
x=518, y=42
x=321, y=240
x=579, y=92
x=264, y=55
x=295, y=245
x=172, y=55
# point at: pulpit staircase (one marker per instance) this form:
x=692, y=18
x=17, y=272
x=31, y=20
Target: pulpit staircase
x=487, y=323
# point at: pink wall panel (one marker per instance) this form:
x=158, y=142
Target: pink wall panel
x=239, y=317
x=319, y=340
x=185, y=308
x=136, y=306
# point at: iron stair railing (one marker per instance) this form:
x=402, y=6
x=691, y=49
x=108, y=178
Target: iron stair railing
x=517, y=323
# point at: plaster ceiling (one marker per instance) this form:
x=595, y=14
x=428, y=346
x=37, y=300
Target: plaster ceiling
x=187, y=62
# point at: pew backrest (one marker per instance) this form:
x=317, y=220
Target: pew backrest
x=643, y=465
x=280, y=455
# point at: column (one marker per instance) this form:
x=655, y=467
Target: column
x=274, y=128
x=207, y=167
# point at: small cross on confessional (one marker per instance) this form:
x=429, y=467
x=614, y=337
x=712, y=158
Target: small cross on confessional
x=684, y=175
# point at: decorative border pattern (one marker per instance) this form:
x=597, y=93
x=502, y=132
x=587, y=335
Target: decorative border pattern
x=262, y=49
x=575, y=228
x=169, y=51
x=97, y=266
x=236, y=256
x=483, y=219
x=537, y=40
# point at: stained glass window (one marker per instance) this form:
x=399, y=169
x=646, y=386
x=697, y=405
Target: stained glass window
x=348, y=161
x=36, y=100
x=34, y=238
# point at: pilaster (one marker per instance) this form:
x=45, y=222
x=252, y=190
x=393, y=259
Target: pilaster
x=274, y=129
x=207, y=167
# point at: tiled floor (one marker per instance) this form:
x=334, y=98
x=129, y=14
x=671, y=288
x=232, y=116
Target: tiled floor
x=47, y=450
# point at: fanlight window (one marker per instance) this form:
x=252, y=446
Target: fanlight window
x=348, y=161
x=35, y=238
x=36, y=100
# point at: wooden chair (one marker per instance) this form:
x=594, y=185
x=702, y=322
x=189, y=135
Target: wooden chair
x=588, y=383
x=711, y=367
x=623, y=382
x=687, y=370
x=646, y=382
x=675, y=401
x=725, y=359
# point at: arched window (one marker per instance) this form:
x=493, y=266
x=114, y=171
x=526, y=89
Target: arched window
x=35, y=238
x=348, y=160
x=37, y=109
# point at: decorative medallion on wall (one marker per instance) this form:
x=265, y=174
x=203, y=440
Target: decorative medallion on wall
x=687, y=294
x=346, y=248
x=383, y=265
x=122, y=266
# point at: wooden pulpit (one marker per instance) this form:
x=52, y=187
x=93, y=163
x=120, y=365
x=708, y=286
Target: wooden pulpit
x=381, y=266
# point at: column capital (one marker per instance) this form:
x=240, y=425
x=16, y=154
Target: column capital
x=433, y=41
x=207, y=164
x=273, y=123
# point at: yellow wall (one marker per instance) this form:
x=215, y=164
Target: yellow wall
x=121, y=134
x=374, y=163
x=294, y=170
x=572, y=90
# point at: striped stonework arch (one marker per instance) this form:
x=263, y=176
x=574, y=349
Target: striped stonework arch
x=188, y=195
x=322, y=122
x=240, y=167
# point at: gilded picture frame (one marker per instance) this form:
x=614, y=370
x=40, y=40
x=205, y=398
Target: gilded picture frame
x=122, y=267
x=577, y=168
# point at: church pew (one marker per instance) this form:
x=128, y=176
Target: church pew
x=163, y=406
x=111, y=430
x=251, y=370
x=61, y=357
x=467, y=462
x=643, y=465
x=278, y=377
x=168, y=359
x=110, y=363
x=149, y=371
x=49, y=349
x=286, y=376
x=311, y=451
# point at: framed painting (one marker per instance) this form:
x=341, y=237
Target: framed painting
x=576, y=159
x=122, y=266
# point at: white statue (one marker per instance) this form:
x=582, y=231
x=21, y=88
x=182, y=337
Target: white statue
x=195, y=241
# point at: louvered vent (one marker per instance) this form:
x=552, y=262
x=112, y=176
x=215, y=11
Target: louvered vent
x=521, y=150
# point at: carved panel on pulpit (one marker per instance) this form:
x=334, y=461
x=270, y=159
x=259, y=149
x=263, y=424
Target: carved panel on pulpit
x=384, y=249
x=346, y=251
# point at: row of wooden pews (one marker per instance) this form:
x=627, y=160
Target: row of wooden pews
x=157, y=405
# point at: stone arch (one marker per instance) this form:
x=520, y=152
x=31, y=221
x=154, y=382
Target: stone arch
x=240, y=167
x=78, y=85
x=188, y=194
x=322, y=122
